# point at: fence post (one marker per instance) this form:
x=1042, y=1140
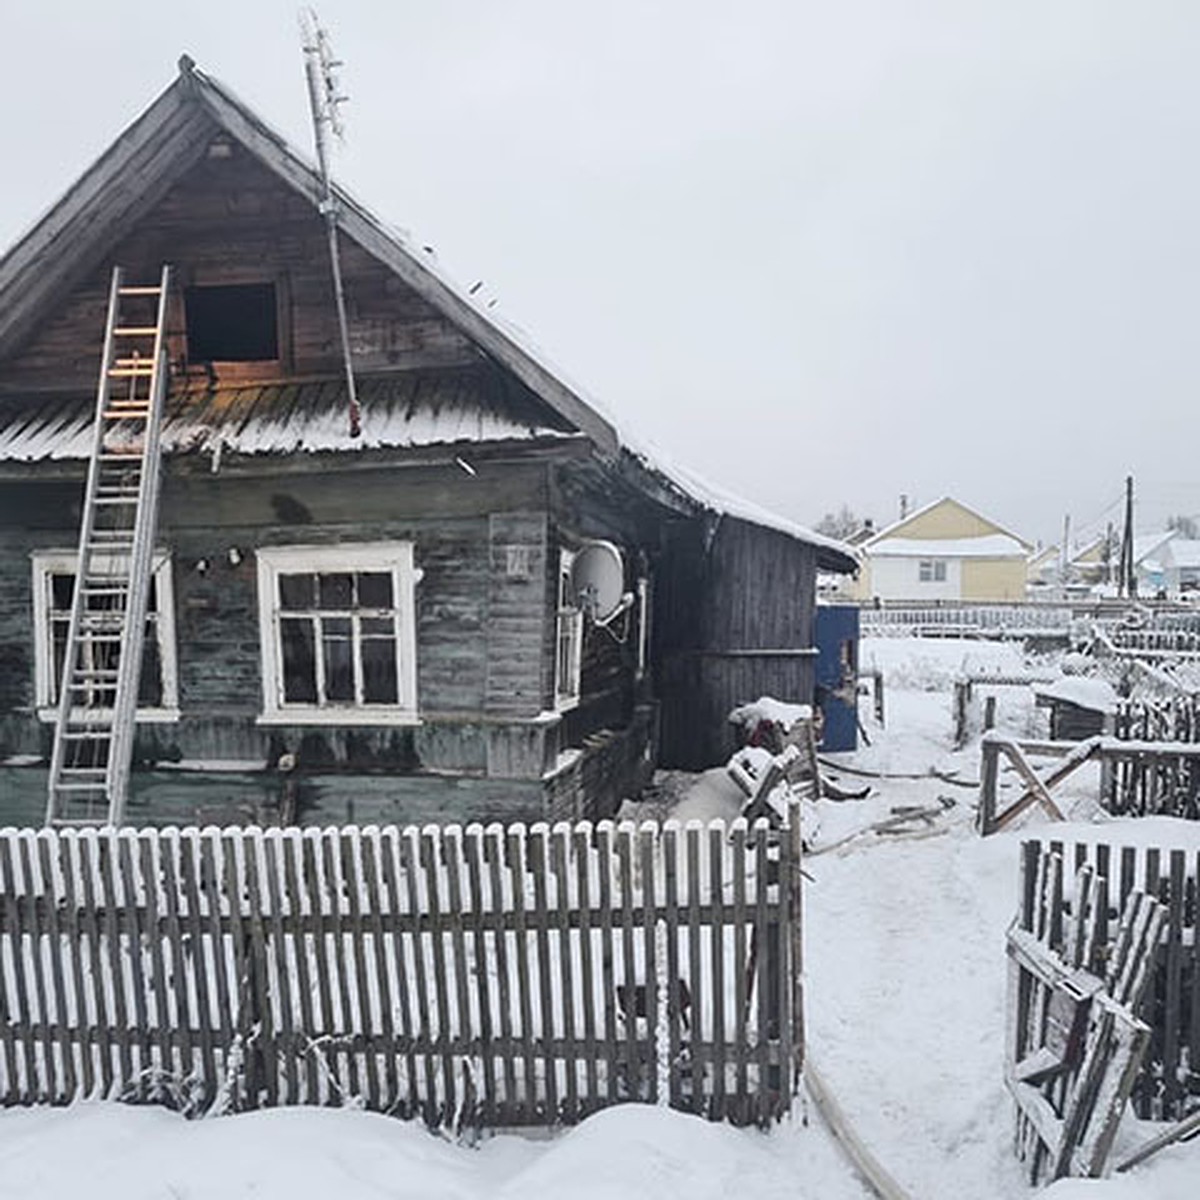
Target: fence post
x=794, y=918
x=988, y=778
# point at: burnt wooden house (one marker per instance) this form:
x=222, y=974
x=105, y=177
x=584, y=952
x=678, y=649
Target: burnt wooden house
x=368, y=628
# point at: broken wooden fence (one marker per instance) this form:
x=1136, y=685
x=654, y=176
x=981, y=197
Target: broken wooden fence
x=1138, y=779
x=1168, y=1086
x=495, y=976
x=1075, y=1041
x=964, y=692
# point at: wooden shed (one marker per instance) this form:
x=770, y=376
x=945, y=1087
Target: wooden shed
x=370, y=628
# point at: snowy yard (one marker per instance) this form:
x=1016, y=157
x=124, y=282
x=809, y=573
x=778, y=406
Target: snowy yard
x=905, y=994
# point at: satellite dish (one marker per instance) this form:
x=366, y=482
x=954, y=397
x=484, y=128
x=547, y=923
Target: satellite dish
x=598, y=581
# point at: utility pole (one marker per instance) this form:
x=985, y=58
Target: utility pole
x=323, y=98
x=1127, y=583
x=1064, y=559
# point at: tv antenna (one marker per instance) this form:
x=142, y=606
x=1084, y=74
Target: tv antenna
x=324, y=100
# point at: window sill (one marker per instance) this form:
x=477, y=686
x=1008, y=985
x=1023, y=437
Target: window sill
x=145, y=716
x=337, y=716
x=565, y=703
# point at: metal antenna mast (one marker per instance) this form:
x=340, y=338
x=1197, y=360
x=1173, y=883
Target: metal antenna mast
x=323, y=98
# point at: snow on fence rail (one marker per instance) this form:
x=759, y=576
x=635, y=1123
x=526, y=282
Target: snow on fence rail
x=473, y=977
x=1138, y=779
x=1154, y=643
x=965, y=621
x=1167, y=1086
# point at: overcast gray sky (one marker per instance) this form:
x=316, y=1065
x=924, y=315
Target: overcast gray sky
x=818, y=252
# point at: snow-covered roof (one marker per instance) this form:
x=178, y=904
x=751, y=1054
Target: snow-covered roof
x=1147, y=544
x=1183, y=552
x=890, y=530
x=836, y=556
x=992, y=545
x=1096, y=694
x=409, y=409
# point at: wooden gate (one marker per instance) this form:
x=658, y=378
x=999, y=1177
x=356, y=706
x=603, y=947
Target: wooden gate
x=494, y=976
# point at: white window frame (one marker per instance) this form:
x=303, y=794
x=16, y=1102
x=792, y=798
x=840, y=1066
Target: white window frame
x=568, y=639
x=931, y=570
x=643, y=627
x=396, y=557
x=44, y=564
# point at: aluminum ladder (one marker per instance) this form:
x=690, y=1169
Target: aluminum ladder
x=101, y=668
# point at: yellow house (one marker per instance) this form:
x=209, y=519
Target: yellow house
x=944, y=551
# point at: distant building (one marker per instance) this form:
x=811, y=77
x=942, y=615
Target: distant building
x=944, y=551
x=1180, y=559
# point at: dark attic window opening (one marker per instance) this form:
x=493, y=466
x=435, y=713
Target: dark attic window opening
x=231, y=323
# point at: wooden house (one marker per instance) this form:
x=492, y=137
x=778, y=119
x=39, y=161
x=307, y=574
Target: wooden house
x=370, y=628
x=944, y=551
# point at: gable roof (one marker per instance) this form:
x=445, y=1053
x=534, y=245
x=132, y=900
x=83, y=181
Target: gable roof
x=895, y=530
x=167, y=139
x=171, y=136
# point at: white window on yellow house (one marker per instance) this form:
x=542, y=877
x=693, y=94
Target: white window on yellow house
x=338, y=634
x=53, y=591
x=932, y=570
x=568, y=638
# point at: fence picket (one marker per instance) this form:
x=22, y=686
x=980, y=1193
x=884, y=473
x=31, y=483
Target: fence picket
x=547, y=1017
x=717, y=928
x=507, y=1108
x=560, y=853
x=273, y=884
x=580, y=843
x=607, y=1006
x=40, y=995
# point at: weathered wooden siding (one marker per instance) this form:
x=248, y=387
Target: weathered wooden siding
x=233, y=221
x=735, y=615
x=484, y=650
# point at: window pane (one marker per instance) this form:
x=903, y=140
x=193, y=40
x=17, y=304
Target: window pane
x=380, y=682
x=62, y=587
x=339, y=670
x=299, y=661
x=375, y=590
x=150, y=686
x=336, y=591
x=296, y=591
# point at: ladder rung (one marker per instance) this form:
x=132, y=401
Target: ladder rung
x=134, y=289
x=130, y=373
x=135, y=331
x=77, y=822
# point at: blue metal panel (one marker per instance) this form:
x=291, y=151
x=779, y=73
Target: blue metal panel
x=837, y=674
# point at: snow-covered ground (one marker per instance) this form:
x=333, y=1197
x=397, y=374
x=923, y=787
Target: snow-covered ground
x=905, y=994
